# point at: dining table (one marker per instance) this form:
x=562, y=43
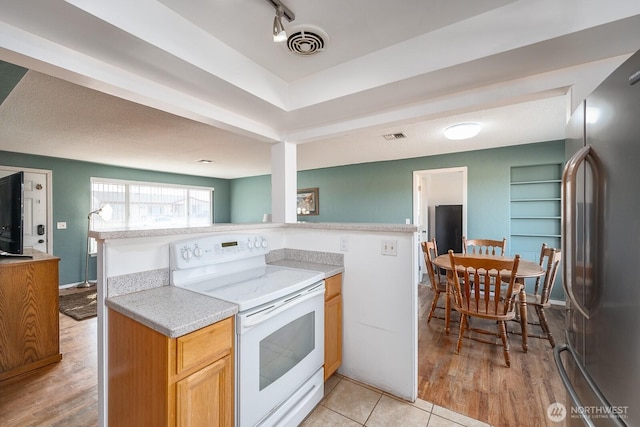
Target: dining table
x=526, y=269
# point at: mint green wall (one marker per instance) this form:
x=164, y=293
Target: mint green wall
x=71, y=200
x=371, y=192
x=383, y=191
x=253, y=198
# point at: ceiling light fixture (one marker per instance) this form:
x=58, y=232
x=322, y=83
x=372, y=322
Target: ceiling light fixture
x=462, y=131
x=279, y=33
x=204, y=161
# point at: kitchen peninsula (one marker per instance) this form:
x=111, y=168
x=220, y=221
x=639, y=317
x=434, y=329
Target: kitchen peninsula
x=378, y=291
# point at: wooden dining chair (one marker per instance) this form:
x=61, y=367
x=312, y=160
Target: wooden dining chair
x=550, y=259
x=437, y=281
x=484, y=246
x=485, y=288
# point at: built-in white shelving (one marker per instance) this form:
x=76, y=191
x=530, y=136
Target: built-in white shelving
x=535, y=204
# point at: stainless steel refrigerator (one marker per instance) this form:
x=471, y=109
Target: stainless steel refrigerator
x=600, y=364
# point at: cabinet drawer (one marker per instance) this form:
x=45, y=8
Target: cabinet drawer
x=333, y=286
x=204, y=344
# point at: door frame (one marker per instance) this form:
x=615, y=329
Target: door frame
x=421, y=198
x=49, y=191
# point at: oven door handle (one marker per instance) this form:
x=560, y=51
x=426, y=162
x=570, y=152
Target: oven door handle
x=250, y=320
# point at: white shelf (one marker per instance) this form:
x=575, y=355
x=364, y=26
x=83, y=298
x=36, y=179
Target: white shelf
x=535, y=206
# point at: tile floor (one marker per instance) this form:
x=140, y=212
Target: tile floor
x=348, y=403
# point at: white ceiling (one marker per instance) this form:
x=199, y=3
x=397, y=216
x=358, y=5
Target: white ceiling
x=161, y=84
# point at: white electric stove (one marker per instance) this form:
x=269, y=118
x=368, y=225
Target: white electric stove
x=279, y=326
x=255, y=286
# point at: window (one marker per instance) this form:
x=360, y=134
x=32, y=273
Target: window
x=139, y=205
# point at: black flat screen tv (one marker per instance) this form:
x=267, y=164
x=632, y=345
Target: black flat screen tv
x=11, y=213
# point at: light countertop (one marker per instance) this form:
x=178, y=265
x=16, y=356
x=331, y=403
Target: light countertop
x=172, y=311
x=327, y=269
x=214, y=228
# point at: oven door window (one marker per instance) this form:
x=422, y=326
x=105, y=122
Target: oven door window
x=285, y=348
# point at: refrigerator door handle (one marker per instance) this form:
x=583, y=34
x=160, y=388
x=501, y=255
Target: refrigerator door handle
x=565, y=377
x=569, y=222
x=572, y=392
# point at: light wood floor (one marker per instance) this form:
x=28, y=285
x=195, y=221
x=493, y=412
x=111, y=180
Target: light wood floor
x=62, y=394
x=477, y=382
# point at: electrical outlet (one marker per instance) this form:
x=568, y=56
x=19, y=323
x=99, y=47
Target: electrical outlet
x=344, y=244
x=61, y=225
x=393, y=247
x=390, y=247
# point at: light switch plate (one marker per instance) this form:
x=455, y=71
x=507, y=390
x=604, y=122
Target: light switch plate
x=344, y=243
x=389, y=247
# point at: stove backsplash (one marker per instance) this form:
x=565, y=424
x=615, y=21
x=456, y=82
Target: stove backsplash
x=135, y=282
x=328, y=258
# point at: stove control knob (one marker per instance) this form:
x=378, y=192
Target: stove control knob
x=186, y=253
x=264, y=243
x=250, y=244
x=198, y=252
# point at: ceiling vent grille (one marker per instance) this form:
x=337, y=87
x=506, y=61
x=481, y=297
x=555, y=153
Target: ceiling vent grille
x=394, y=136
x=308, y=41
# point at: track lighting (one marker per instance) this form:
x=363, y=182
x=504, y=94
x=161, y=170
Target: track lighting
x=279, y=34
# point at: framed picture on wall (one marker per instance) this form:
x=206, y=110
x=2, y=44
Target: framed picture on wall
x=308, y=203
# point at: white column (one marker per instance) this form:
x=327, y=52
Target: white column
x=284, y=182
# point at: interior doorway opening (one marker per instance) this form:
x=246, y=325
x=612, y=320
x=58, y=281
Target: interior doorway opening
x=437, y=187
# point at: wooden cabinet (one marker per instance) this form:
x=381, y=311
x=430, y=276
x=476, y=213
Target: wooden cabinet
x=160, y=381
x=332, y=325
x=29, y=318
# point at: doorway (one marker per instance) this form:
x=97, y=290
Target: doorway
x=38, y=218
x=433, y=187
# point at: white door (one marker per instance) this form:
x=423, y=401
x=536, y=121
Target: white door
x=36, y=207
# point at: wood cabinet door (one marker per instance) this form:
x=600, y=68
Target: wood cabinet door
x=332, y=335
x=29, y=328
x=205, y=398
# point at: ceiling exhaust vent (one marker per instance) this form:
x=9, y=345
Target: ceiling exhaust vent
x=393, y=136
x=307, y=41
